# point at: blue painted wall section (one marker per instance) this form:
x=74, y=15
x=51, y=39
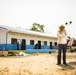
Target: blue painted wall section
x=56, y=47
x=45, y=47
x=9, y=46
x=30, y=46
x=2, y=46
x=14, y=47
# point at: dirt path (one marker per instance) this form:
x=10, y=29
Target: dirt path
x=42, y=64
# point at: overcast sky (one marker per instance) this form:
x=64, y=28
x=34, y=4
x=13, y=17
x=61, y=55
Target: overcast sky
x=50, y=13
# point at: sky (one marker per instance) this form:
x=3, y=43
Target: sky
x=50, y=13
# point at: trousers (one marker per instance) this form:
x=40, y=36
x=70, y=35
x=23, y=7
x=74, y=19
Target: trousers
x=61, y=49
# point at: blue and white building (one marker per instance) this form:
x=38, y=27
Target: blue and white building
x=9, y=36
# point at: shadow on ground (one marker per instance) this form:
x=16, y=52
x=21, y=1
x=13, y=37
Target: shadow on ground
x=70, y=66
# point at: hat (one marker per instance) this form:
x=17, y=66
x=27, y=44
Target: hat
x=61, y=26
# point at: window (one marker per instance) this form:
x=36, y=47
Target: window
x=45, y=43
x=55, y=43
x=31, y=42
x=13, y=40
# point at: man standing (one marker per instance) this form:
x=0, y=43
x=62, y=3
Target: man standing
x=62, y=44
x=17, y=45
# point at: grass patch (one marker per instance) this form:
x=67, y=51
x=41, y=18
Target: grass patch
x=14, y=52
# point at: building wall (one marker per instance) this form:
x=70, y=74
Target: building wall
x=27, y=37
x=2, y=36
x=20, y=36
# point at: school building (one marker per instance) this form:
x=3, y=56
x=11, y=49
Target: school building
x=11, y=38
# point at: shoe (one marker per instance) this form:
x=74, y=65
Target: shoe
x=65, y=63
x=58, y=64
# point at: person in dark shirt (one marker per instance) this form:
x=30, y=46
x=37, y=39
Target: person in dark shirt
x=17, y=45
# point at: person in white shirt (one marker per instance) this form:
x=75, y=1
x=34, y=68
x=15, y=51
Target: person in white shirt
x=62, y=44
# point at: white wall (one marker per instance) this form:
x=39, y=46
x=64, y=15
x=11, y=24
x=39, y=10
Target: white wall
x=2, y=36
x=30, y=37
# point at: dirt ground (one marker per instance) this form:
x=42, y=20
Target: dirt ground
x=42, y=64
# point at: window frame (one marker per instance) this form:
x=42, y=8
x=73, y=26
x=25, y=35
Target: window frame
x=13, y=40
x=31, y=42
x=45, y=43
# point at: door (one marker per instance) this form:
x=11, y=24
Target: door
x=39, y=44
x=55, y=43
x=23, y=44
x=50, y=45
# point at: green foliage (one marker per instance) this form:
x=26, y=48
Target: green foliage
x=14, y=52
x=37, y=27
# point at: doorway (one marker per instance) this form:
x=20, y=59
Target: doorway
x=50, y=45
x=55, y=43
x=23, y=44
x=39, y=44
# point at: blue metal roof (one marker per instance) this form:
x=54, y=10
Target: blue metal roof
x=3, y=28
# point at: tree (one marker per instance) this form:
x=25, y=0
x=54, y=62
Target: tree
x=37, y=27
